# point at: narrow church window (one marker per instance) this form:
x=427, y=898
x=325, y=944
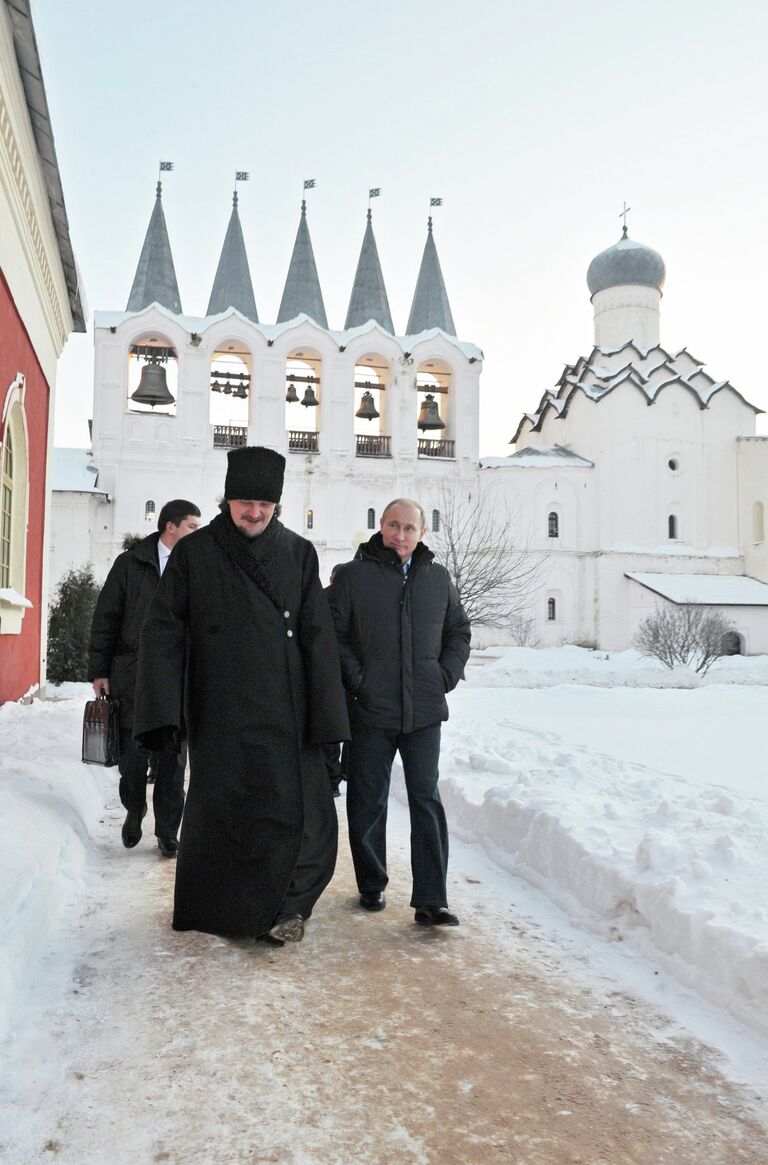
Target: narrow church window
x=371, y=519
x=672, y=526
x=310, y=519
x=6, y=509
x=149, y=511
x=435, y=521
x=758, y=516
x=551, y=610
x=553, y=525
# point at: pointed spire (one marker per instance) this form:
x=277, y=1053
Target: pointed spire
x=430, y=307
x=302, y=287
x=369, y=295
x=232, y=285
x=155, y=278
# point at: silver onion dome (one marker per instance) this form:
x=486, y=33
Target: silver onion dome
x=626, y=262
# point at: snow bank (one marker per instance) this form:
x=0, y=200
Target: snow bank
x=674, y=863
x=50, y=803
x=532, y=667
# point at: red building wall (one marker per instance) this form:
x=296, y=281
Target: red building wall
x=20, y=654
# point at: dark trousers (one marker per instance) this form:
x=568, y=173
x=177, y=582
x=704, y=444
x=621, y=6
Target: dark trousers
x=168, y=789
x=369, y=767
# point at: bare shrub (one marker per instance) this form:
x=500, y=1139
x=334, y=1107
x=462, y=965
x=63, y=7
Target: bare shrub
x=685, y=634
x=522, y=631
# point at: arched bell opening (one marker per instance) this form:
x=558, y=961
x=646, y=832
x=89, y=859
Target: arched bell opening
x=303, y=400
x=372, y=409
x=230, y=393
x=434, y=381
x=153, y=375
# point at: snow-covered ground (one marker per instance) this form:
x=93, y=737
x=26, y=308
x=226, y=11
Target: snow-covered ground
x=638, y=808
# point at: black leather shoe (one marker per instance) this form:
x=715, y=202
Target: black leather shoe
x=435, y=916
x=132, y=826
x=168, y=846
x=373, y=901
x=288, y=929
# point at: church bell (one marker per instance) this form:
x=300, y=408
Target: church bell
x=429, y=414
x=291, y=396
x=309, y=400
x=153, y=387
x=367, y=410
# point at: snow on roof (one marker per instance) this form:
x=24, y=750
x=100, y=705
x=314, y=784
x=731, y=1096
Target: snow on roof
x=731, y=590
x=74, y=470
x=538, y=457
x=271, y=332
x=649, y=370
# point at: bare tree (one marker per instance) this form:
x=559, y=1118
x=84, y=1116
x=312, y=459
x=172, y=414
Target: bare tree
x=686, y=634
x=496, y=573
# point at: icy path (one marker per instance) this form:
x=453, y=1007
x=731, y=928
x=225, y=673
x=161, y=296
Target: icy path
x=373, y=1041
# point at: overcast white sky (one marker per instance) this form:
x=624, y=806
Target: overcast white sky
x=533, y=121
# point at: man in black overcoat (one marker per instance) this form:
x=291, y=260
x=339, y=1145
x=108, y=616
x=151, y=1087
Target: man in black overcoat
x=239, y=645
x=113, y=651
x=403, y=642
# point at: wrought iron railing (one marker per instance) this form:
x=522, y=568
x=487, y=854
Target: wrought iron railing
x=300, y=441
x=372, y=445
x=430, y=448
x=229, y=436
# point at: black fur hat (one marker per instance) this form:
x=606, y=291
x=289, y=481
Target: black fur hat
x=255, y=474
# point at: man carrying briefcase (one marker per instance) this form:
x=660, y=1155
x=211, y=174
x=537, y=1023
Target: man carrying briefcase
x=117, y=621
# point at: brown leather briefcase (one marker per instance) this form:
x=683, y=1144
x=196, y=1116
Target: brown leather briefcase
x=101, y=732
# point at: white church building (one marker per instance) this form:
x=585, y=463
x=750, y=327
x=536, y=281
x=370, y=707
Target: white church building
x=642, y=477
x=637, y=480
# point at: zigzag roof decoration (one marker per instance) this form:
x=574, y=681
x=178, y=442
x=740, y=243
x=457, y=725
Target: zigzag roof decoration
x=649, y=370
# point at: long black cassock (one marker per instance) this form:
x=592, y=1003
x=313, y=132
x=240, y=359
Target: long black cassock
x=239, y=644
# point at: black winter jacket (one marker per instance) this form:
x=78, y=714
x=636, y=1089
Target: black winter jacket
x=403, y=639
x=118, y=618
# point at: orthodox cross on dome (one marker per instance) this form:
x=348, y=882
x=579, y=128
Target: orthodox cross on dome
x=623, y=215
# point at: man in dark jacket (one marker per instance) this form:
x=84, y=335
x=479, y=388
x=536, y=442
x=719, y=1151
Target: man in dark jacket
x=241, y=609
x=113, y=653
x=403, y=641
